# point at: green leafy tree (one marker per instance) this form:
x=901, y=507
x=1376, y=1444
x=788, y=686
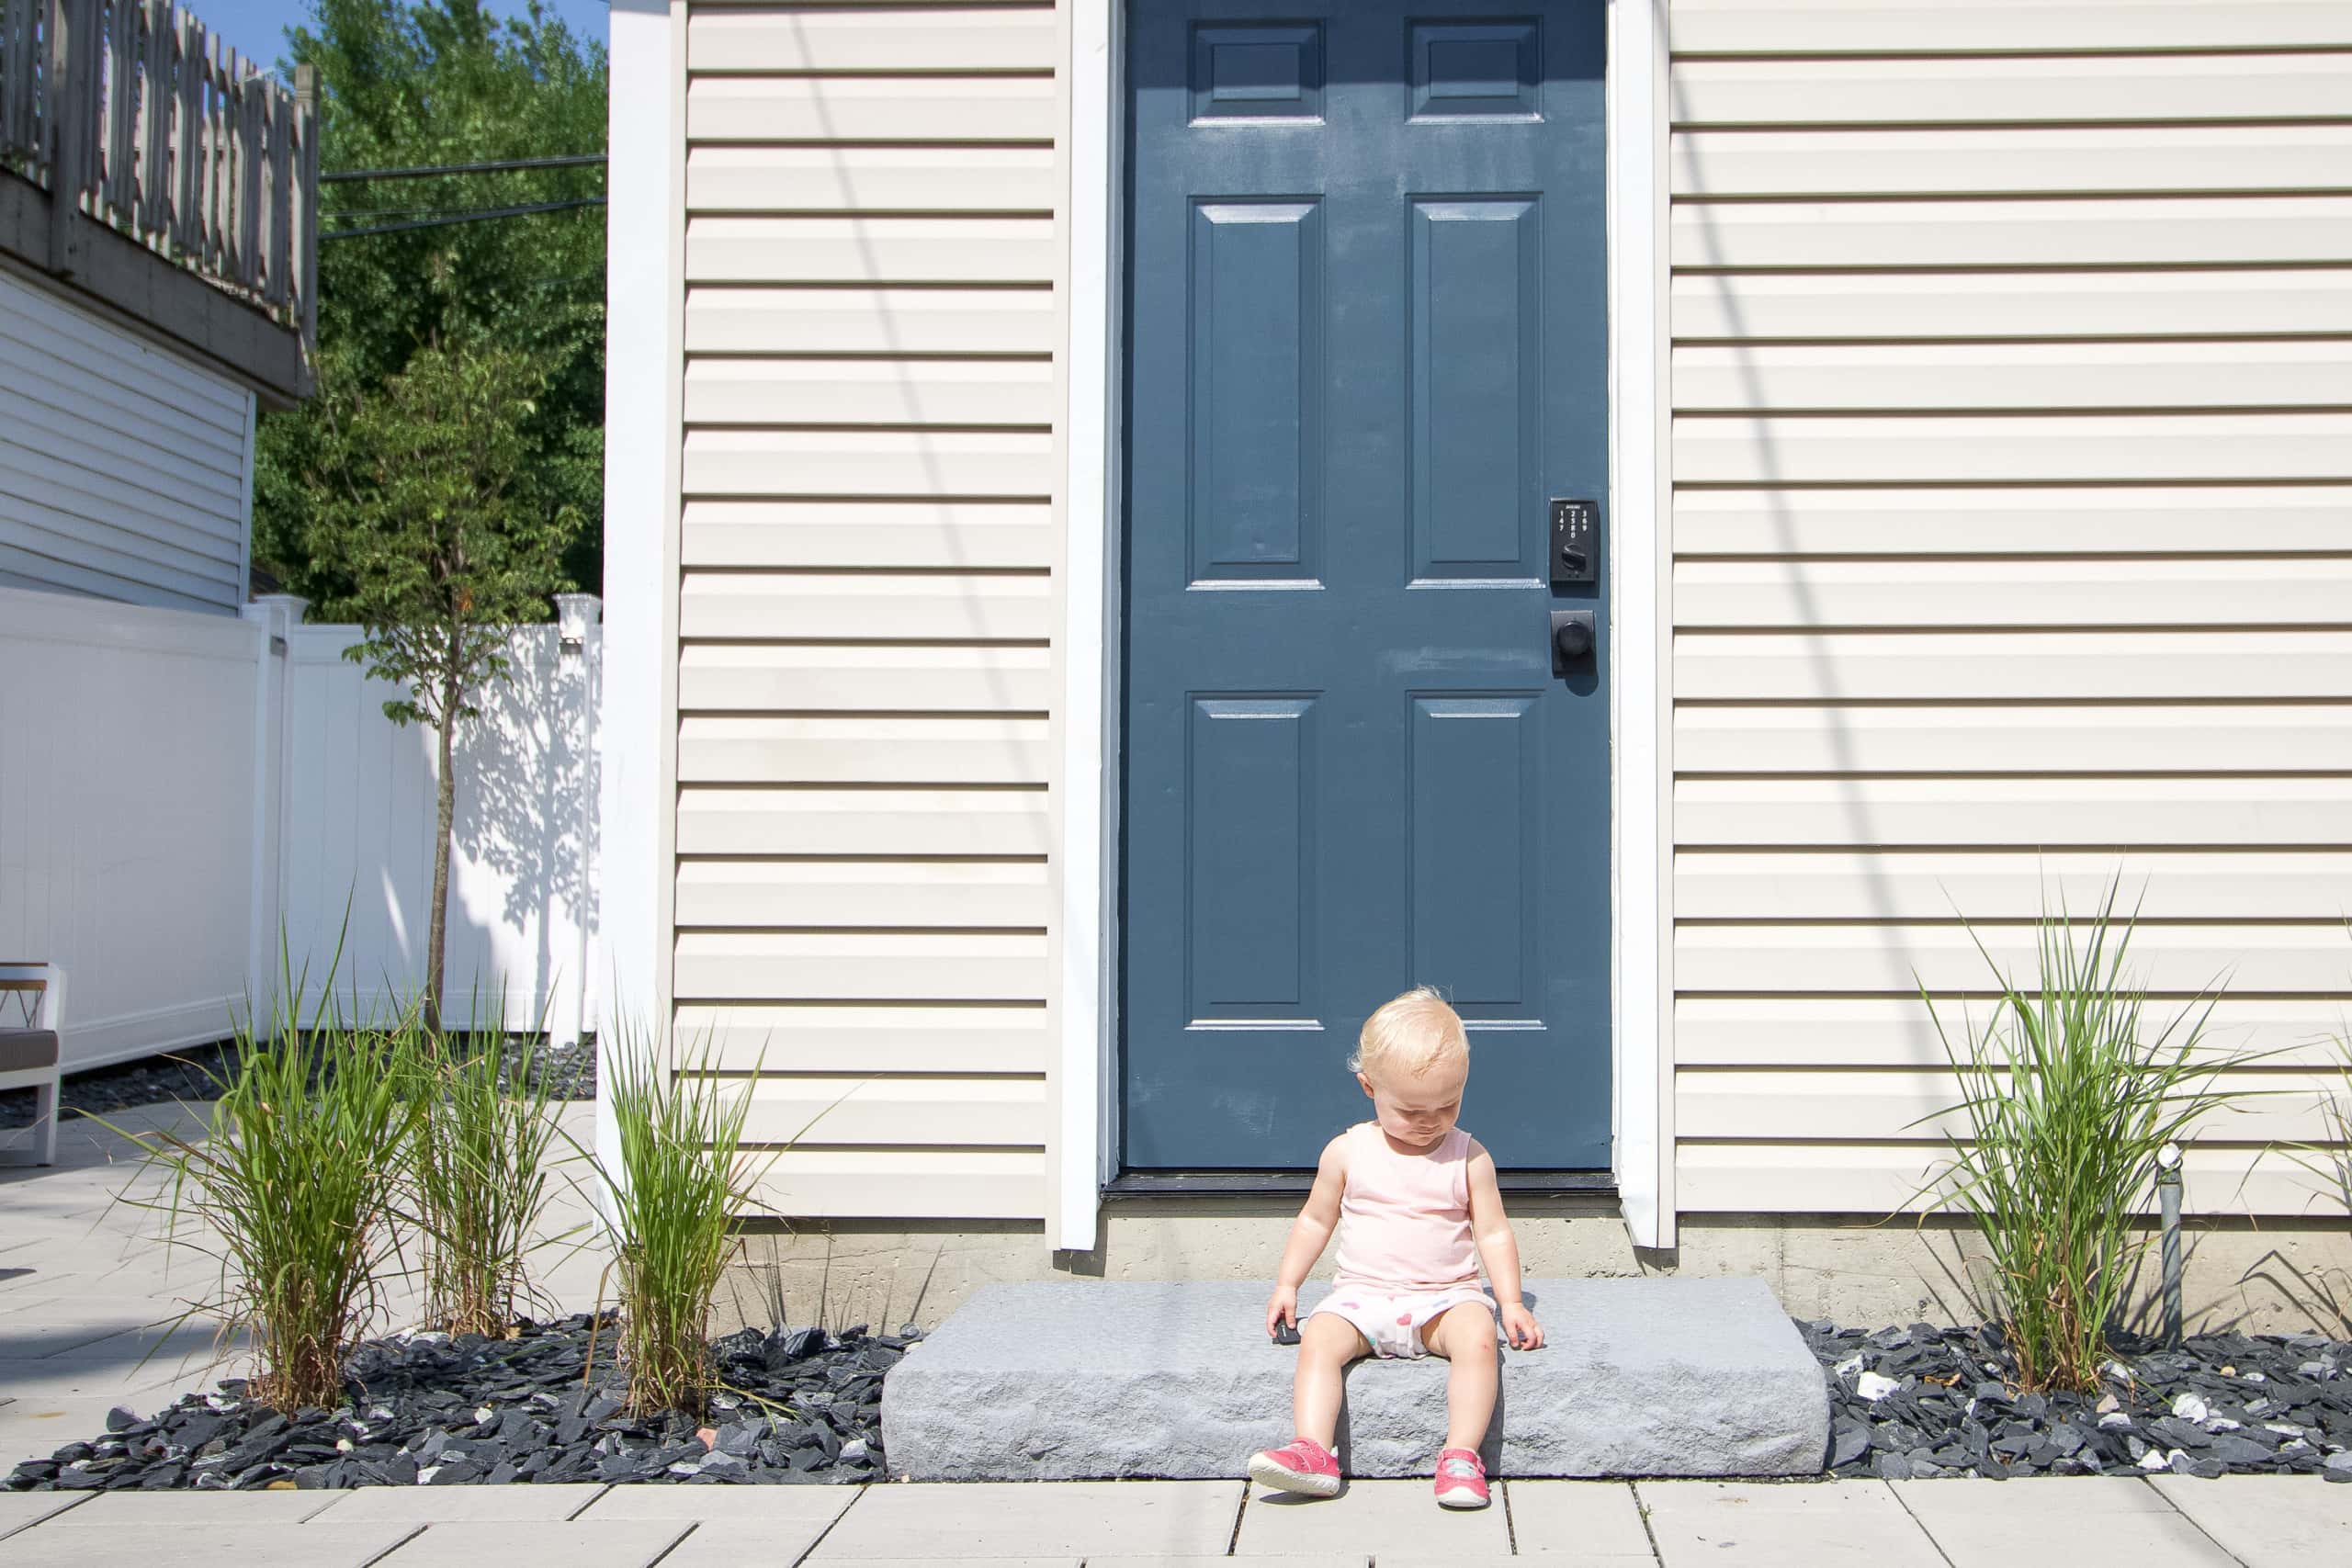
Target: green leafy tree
x=428, y=85
x=424, y=493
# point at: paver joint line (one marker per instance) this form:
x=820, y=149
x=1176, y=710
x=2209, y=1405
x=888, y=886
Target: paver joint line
x=2218, y=1545
x=662, y=1555
x=394, y=1547
x=1901, y=1503
x=822, y=1534
x=590, y=1502
x=1649, y=1532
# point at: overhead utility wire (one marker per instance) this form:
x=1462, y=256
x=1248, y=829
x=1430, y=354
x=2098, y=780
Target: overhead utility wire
x=496, y=165
x=482, y=216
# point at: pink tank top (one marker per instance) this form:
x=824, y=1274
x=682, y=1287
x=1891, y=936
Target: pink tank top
x=1405, y=1218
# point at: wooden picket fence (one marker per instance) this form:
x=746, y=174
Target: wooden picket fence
x=140, y=119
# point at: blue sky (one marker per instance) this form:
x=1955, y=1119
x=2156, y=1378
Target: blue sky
x=257, y=28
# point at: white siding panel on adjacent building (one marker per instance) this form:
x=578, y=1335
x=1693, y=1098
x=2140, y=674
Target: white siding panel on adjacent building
x=125, y=470
x=867, y=607
x=2012, y=533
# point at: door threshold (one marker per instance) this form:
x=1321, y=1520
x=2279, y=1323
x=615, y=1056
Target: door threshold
x=1599, y=1184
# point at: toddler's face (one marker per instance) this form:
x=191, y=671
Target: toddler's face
x=1418, y=1109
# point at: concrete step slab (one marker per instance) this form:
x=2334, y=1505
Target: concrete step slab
x=2267, y=1522
x=1836, y=1522
x=937, y=1524
x=1068, y=1380
x=1370, y=1519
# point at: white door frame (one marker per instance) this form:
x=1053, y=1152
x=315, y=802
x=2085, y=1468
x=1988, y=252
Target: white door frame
x=1642, y=1059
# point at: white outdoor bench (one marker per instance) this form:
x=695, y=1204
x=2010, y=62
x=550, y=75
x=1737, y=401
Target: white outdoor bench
x=31, y=1003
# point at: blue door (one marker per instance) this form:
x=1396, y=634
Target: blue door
x=1366, y=304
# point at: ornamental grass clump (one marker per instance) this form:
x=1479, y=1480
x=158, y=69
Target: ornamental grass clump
x=670, y=1212
x=478, y=1170
x=296, y=1188
x=2067, y=1098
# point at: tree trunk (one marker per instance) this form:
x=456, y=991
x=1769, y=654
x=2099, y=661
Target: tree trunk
x=444, y=802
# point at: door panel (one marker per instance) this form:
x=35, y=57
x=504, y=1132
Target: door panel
x=1365, y=346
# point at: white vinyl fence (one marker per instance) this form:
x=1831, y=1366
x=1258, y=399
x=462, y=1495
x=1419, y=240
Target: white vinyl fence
x=175, y=787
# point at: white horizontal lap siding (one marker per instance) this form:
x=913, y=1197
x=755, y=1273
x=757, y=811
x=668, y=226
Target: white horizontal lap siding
x=2012, y=389
x=867, y=606
x=123, y=467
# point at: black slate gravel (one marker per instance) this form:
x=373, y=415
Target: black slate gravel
x=193, y=1073
x=1924, y=1401
x=804, y=1407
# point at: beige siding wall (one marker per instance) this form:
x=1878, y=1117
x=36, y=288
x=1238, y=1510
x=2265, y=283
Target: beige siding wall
x=867, y=605
x=2012, y=377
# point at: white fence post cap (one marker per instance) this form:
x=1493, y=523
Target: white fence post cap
x=575, y=612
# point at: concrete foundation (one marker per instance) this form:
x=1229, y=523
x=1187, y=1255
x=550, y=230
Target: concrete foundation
x=1087, y=1378
x=2278, y=1277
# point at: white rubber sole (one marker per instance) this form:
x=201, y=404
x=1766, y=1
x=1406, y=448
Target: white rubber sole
x=1462, y=1500
x=1282, y=1478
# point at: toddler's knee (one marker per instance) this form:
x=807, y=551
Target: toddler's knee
x=1472, y=1342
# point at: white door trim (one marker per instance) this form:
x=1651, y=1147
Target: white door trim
x=1642, y=1065
x=644, y=362
x=1640, y=718
x=1086, y=1078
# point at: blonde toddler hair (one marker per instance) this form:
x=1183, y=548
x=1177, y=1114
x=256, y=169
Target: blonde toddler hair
x=1412, y=1033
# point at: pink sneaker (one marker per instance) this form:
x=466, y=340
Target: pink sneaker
x=1305, y=1466
x=1461, y=1480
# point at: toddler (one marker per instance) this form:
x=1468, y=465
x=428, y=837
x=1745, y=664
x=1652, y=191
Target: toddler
x=1418, y=1209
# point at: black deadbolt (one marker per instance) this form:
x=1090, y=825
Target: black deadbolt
x=1571, y=639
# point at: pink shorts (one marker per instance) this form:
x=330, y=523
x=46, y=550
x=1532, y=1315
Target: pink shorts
x=1391, y=1323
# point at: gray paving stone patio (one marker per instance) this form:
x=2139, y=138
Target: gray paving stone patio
x=76, y=1333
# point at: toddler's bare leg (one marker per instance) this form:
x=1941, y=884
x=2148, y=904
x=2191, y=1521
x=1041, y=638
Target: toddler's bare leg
x=1464, y=1335
x=1326, y=1343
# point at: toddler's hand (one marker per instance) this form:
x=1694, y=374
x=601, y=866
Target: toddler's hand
x=1281, y=1307
x=1520, y=1328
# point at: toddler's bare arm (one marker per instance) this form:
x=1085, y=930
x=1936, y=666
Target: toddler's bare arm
x=1498, y=1250
x=1309, y=1235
